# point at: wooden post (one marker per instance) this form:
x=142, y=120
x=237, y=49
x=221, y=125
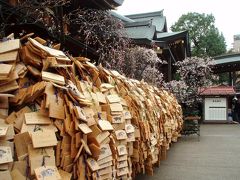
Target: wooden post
x=170, y=69
x=230, y=78
x=234, y=78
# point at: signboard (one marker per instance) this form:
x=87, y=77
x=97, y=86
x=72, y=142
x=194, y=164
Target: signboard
x=215, y=109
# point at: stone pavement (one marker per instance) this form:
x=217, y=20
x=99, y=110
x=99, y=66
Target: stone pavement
x=215, y=157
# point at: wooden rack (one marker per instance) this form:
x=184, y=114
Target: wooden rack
x=191, y=125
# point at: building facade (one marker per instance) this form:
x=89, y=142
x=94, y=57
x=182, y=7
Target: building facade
x=236, y=43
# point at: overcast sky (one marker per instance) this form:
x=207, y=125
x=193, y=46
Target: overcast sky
x=226, y=13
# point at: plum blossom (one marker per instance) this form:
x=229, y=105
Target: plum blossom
x=142, y=64
x=194, y=73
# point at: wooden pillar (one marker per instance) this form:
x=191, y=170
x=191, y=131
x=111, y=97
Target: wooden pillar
x=230, y=78
x=171, y=59
x=234, y=77
x=169, y=69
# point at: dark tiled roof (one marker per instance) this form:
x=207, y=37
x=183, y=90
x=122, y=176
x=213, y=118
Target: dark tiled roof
x=141, y=32
x=138, y=24
x=227, y=63
x=165, y=36
x=121, y=17
x=228, y=58
x=157, y=19
x=143, y=15
x=148, y=28
x=101, y=4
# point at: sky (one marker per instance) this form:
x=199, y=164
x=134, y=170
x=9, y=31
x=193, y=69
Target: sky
x=226, y=13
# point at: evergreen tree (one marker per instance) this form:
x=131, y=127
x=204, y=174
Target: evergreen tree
x=205, y=38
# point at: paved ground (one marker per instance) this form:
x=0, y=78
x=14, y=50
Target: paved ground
x=215, y=157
